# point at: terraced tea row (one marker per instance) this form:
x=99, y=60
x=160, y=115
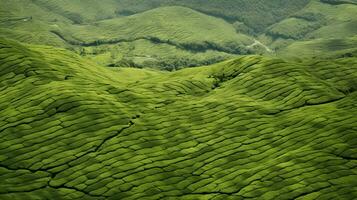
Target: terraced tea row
x=252, y=127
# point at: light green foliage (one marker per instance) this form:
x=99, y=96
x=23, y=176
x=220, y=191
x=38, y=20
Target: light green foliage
x=250, y=127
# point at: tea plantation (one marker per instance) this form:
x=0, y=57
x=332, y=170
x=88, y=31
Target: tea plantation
x=248, y=128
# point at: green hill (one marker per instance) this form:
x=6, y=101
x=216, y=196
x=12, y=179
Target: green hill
x=321, y=48
x=160, y=34
x=250, y=127
x=167, y=37
x=24, y=21
x=256, y=14
x=201, y=119
x=177, y=25
x=319, y=21
x=79, y=11
x=171, y=35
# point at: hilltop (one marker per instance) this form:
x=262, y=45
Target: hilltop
x=250, y=127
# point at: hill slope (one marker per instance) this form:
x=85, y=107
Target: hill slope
x=320, y=23
x=322, y=48
x=160, y=34
x=170, y=35
x=252, y=127
x=256, y=14
x=177, y=24
x=167, y=36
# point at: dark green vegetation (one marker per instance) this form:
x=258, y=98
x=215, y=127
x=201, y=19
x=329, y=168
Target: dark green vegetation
x=249, y=127
x=79, y=120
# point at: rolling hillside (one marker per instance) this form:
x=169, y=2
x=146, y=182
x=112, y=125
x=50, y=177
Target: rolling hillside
x=256, y=14
x=178, y=99
x=170, y=31
x=178, y=36
x=171, y=35
x=317, y=23
x=250, y=127
x=167, y=24
x=321, y=48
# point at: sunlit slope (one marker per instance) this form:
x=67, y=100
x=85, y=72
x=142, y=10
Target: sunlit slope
x=177, y=25
x=249, y=127
x=173, y=25
x=163, y=37
x=256, y=14
x=166, y=37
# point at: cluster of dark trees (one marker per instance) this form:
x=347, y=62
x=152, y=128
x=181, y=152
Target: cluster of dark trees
x=168, y=64
x=337, y=2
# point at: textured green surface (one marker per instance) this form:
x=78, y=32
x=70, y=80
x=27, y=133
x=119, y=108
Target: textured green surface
x=158, y=35
x=317, y=22
x=252, y=127
x=322, y=48
x=257, y=14
x=173, y=34
x=163, y=37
